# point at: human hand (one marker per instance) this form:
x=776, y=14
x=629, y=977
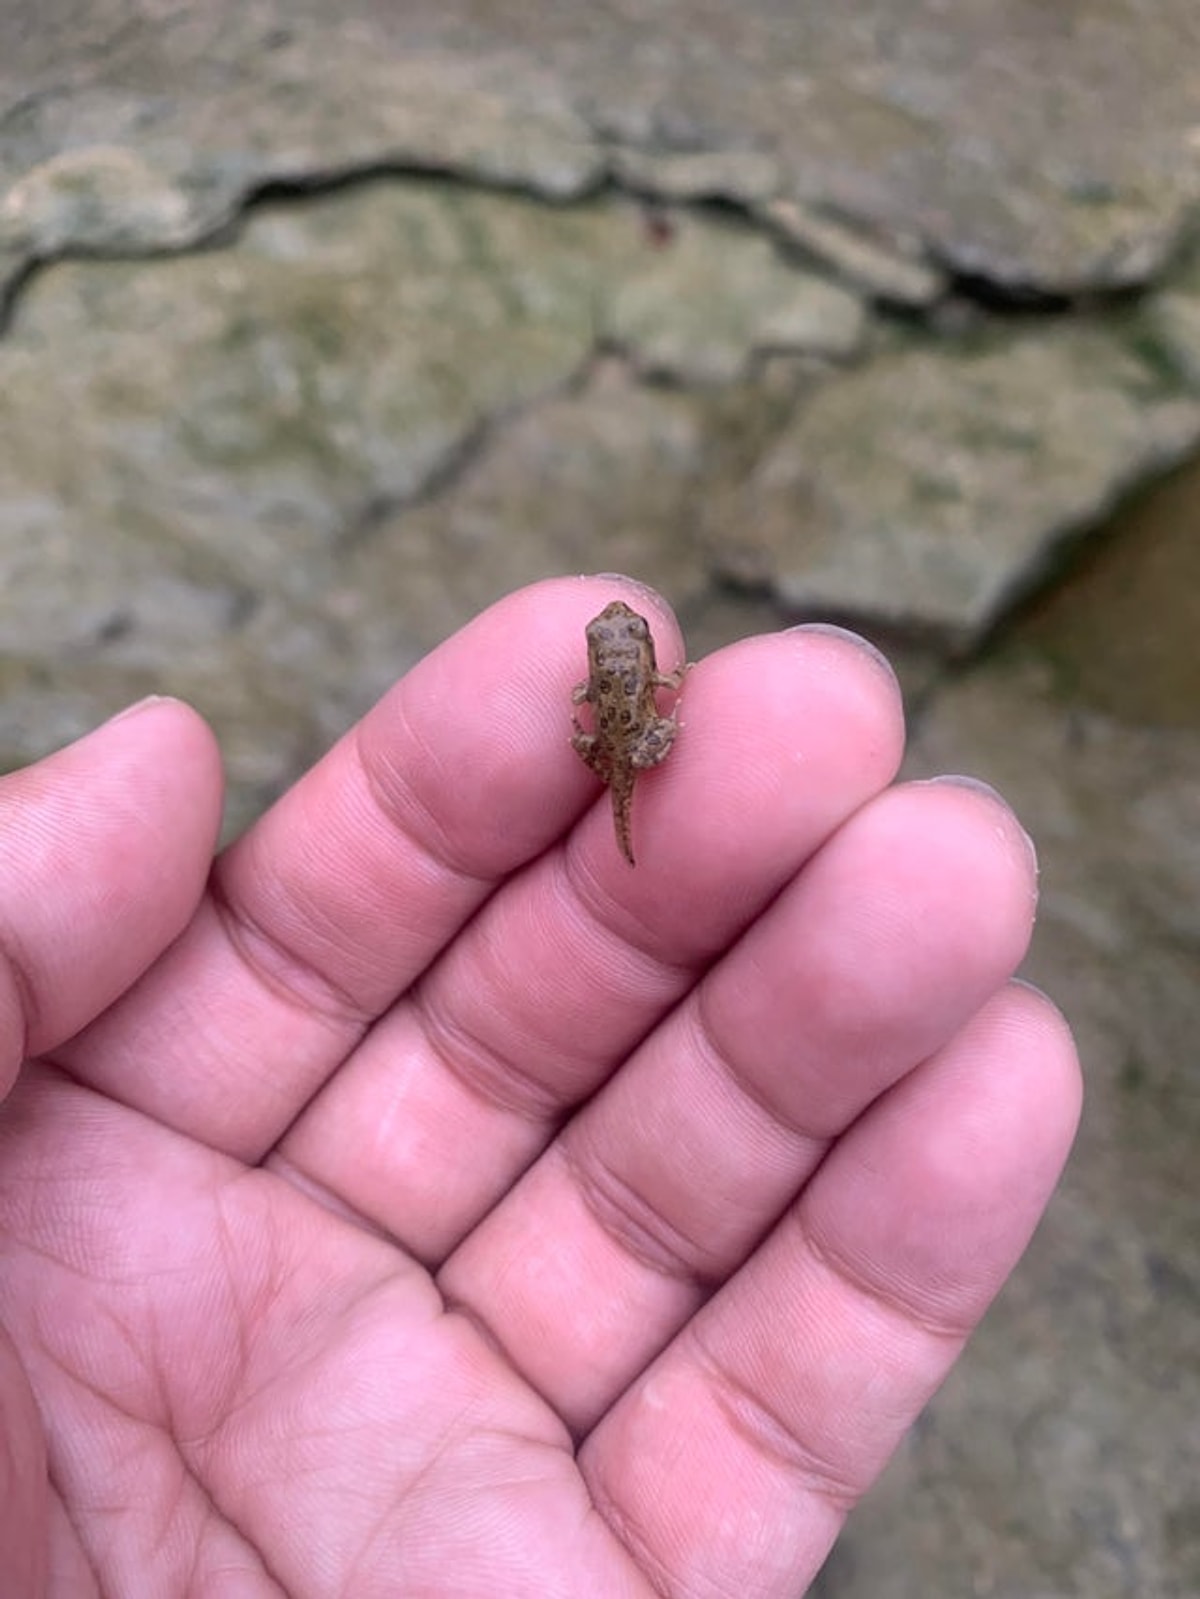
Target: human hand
x=430, y=1204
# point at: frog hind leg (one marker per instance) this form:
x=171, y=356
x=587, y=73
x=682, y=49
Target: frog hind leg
x=590, y=750
x=582, y=742
x=654, y=742
x=586, y=746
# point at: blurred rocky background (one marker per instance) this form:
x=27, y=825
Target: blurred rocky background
x=322, y=326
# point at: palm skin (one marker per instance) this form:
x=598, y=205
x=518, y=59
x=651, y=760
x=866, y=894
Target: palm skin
x=419, y=1201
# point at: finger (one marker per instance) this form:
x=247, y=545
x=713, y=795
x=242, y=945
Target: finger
x=345, y=890
x=790, y=1390
x=892, y=937
x=569, y=966
x=104, y=848
x=342, y=897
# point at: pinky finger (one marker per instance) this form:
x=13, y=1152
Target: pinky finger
x=732, y=1462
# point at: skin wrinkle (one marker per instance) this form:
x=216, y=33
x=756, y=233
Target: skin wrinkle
x=825, y=1256
x=70, y=1373
x=618, y=1217
x=587, y=895
x=239, y=1363
x=703, y=1035
x=395, y=795
x=618, y=1220
x=459, y=1310
x=32, y=1244
x=767, y=1433
x=307, y=987
x=63, y=1500
x=625, y=1530
x=167, y=1520
x=592, y=906
x=276, y=1164
x=311, y=992
x=119, y=1510
x=157, y=1418
x=585, y=889
x=538, y=1104
x=668, y=1260
x=445, y=1039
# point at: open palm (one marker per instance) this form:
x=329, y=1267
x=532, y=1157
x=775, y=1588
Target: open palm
x=422, y=1201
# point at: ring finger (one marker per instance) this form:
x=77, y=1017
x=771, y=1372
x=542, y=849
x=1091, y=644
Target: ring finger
x=881, y=950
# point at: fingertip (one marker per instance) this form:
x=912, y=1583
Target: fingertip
x=950, y=1173
x=1008, y=823
x=563, y=606
x=161, y=741
x=966, y=841
x=105, y=847
x=1047, y=1044
x=166, y=722
x=862, y=647
x=149, y=782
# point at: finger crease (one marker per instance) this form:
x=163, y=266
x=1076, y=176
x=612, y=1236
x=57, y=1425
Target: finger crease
x=644, y=1233
x=406, y=813
x=767, y=1432
x=704, y=1038
x=601, y=910
x=483, y=1071
x=887, y=1300
x=280, y=970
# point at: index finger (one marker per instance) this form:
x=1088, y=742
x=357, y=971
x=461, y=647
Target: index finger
x=338, y=897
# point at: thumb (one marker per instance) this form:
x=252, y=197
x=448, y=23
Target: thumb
x=104, y=850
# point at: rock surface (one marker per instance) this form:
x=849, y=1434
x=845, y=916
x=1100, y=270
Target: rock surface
x=1034, y=146
x=933, y=486
x=321, y=331
x=892, y=159
x=206, y=454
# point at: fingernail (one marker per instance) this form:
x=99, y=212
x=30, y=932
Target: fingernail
x=978, y=786
x=831, y=630
x=138, y=706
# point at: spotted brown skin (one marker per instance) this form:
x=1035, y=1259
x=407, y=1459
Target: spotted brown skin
x=631, y=734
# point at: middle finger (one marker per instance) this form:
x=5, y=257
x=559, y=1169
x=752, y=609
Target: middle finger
x=455, y=1091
